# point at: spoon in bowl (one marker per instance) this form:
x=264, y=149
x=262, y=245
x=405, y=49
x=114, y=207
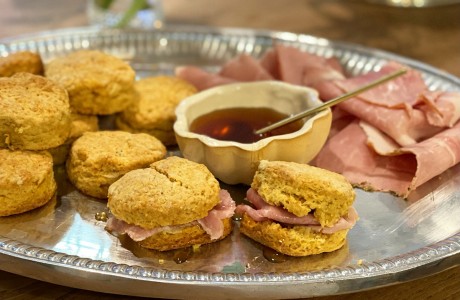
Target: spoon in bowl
x=332, y=102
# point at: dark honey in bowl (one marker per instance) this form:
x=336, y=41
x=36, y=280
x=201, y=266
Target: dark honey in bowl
x=239, y=124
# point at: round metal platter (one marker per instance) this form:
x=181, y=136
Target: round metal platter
x=394, y=241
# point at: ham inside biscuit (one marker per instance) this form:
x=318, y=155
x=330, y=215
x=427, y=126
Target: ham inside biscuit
x=212, y=223
x=263, y=211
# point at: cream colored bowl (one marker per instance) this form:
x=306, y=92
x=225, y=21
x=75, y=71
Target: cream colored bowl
x=234, y=162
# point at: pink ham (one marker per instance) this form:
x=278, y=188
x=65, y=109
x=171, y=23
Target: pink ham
x=404, y=110
x=212, y=223
x=200, y=78
x=284, y=63
x=264, y=211
x=401, y=172
x=400, y=92
x=292, y=65
x=245, y=68
x=136, y=233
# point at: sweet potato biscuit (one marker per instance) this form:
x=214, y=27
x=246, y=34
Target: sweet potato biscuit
x=183, y=237
x=301, y=188
x=173, y=191
x=26, y=181
x=98, y=83
x=22, y=61
x=154, y=112
x=80, y=124
x=34, y=113
x=292, y=240
x=98, y=159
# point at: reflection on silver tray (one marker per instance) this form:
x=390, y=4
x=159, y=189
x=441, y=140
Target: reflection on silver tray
x=393, y=241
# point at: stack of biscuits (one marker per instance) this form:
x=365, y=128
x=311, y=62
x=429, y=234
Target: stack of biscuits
x=49, y=115
x=34, y=117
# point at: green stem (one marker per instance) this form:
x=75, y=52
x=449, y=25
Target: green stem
x=136, y=5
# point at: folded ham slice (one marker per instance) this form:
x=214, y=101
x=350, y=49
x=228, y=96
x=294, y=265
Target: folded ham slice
x=263, y=211
x=212, y=223
x=283, y=63
x=401, y=172
x=404, y=109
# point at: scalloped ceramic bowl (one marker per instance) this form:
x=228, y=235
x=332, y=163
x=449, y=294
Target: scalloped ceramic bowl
x=234, y=162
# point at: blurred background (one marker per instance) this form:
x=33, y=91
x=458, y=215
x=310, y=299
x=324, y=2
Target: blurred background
x=430, y=34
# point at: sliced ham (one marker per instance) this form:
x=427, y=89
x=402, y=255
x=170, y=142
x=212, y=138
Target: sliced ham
x=292, y=65
x=200, y=78
x=263, y=211
x=283, y=63
x=401, y=172
x=212, y=223
x=403, y=108
x=396, y=93
x=245, y=68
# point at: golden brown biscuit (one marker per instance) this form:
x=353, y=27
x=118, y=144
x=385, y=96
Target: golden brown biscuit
x=98, y=83
x=22, y=61
x=34, y=113
x=172, y=191
x=292, y=240
x=26, y=181
x=154, y=112
x=98, y=159
x=301, y=188
x=80, y=124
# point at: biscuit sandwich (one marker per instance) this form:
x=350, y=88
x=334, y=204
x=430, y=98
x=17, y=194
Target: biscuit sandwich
x=297, y=209
x=175, y=203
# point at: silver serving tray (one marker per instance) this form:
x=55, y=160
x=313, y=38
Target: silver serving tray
x=394, y=241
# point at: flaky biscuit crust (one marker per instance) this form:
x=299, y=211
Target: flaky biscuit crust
x=173, y=191
x=26, y=180
x=98, y=83
x=34, y=113
x=98, y=159
x=291, y=240
x=188, y=236
x=300, y=189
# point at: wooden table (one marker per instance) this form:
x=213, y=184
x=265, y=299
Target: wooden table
x=431, y=35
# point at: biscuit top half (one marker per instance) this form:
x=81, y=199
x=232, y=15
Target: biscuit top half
x=173, y=191
x=25, y=94
x=302, y=189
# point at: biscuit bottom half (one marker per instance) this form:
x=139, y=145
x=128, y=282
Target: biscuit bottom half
x=293, y=240
x=185, y=237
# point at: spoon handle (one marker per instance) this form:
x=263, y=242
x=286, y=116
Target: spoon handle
x=332, y=102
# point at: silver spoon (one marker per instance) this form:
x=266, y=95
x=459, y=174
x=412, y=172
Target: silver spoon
x=332, y=102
